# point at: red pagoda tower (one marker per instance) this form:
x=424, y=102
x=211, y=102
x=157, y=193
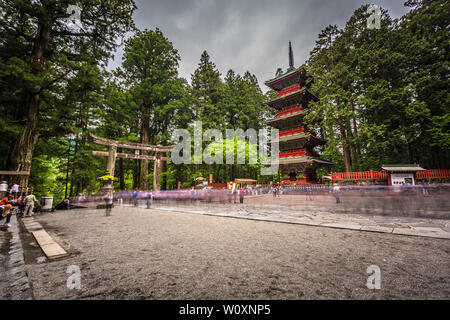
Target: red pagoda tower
x=297, y=157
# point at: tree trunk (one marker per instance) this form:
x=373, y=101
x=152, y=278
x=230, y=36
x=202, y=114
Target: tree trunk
x=164, y=169
x=135, y=174
x=347, y=158
x=355, y=130
x=23, y=147
x=121, y=173
x=72, y=174
x=67, y=172
x=353, y=152
x=143, y=164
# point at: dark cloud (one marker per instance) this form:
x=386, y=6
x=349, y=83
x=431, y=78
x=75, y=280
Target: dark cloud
x=246, y=34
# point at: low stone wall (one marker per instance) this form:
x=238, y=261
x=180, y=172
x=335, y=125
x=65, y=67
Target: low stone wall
x=19, y=286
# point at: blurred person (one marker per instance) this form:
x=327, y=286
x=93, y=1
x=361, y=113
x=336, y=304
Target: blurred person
x=241, y=196
x=135, y=197
x=309, y=193
x=336, y=193
x=3, y=189
x=14, y=190
x=209, y=195
x=149, y=199
x=108, y=198
x=234, y=193
x=193, y=194
x=425, y=189
x=66, y=204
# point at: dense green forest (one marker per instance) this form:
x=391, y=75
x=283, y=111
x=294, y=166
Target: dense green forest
x=384, y=94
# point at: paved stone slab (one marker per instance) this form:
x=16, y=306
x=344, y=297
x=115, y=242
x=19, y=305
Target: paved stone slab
x=428, y=225
x=351, y=226
x=50, y=248
x=377, y=229
x=376, y=223
x=421, y=233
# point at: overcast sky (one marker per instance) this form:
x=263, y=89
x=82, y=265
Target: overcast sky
x=245, y=35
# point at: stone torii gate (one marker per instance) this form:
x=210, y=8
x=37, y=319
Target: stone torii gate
x=137, y=147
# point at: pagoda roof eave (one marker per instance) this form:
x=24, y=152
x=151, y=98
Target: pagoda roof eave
x=298, y=136
x=283, y=76
x=287, y=116
x=304, y=160
x=293, y=94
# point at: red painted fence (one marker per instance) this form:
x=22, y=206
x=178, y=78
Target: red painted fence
x=433, y=174
x=380, y=175
x=362, y=175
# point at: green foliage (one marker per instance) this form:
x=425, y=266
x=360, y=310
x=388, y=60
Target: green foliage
x=384, y=93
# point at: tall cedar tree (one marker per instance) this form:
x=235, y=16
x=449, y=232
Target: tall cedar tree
x=40, y=52
x=149, y=68
x=207, y=92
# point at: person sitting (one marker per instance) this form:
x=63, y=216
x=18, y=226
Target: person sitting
x=6, y=214
x=7, y=200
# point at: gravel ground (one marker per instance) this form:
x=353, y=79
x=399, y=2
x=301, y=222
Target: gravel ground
x=150, y=254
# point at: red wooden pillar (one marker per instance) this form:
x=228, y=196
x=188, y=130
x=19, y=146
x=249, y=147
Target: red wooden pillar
x=179, y=185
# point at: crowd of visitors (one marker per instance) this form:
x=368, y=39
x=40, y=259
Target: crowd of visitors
x=13, y=202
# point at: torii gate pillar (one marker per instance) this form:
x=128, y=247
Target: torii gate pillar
x=110, y=165
x=157, y=173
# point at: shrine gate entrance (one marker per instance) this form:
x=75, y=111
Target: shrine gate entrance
x=138, y=148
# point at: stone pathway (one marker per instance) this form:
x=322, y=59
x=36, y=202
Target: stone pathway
x=314, y=216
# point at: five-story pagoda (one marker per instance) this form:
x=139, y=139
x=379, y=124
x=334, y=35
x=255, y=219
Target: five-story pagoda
x=297, y=157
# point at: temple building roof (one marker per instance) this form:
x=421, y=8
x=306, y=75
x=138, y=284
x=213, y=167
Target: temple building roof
x=303, y=159
x=401, y=167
